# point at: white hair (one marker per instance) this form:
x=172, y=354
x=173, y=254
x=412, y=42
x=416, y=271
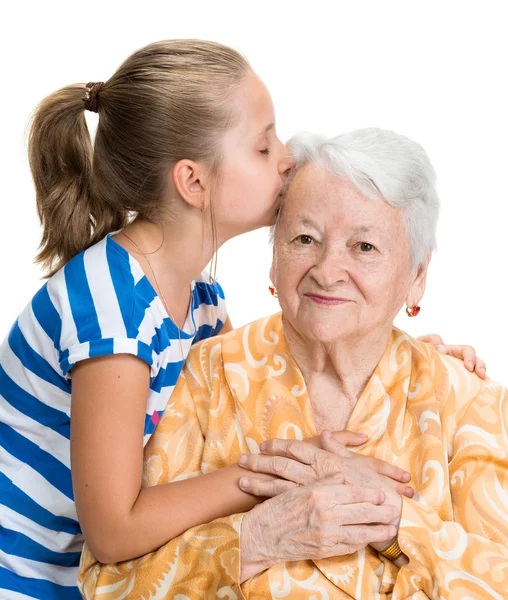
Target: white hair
x=381, y=164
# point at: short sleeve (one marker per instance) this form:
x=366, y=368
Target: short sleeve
x=104, y=308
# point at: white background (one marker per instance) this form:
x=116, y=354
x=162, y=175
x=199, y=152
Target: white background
x=435, y=71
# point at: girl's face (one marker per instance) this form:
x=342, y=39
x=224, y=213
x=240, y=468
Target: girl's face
x=254, y=165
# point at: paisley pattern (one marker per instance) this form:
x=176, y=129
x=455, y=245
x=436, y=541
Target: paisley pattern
x=423, y=412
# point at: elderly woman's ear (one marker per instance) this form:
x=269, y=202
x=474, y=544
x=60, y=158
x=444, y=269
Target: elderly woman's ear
x=272, y=273
x=417, y=288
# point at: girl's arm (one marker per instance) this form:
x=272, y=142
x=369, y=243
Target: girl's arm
x=120, y=519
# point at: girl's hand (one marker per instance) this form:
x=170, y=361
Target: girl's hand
x=301, y=463
x=465, y=353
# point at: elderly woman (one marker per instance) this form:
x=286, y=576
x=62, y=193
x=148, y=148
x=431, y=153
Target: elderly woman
x=352, y=246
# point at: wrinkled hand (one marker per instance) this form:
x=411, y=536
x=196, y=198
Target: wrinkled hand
x=392, y=497
x=295, y=462
x=326, y=518
x=465, y=353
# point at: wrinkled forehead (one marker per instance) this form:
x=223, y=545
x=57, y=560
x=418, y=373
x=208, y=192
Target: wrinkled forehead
x=313, y=187
x=302, y=182
x=316, y=195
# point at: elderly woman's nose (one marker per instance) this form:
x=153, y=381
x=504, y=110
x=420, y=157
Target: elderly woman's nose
x=330, y=269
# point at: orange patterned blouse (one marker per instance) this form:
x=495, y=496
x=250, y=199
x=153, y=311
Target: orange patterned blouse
x=422, y=411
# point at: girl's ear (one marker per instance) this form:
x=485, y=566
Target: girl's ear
x=191, y=181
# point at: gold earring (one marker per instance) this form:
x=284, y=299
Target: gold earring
x=412, y=311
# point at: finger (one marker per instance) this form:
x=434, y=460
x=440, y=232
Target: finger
x=351, y=494
x=265, y=489
x=282, y=467
x=344, y=549
x=384, y=468
x=349, y=438
x=330, y=444
x=465, y=353
x=365, y=513
x=333, y=479
x=432, y=338
x=400, y=488
x=480, y=368
x=367, y=534
x=296, y=449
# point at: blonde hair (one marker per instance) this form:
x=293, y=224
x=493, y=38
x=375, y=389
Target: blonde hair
x=168, y=101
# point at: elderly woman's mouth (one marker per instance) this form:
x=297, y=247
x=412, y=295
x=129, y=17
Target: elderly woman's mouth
x=327, y=300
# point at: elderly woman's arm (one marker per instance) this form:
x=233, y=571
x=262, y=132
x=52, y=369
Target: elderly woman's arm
x=464, y=553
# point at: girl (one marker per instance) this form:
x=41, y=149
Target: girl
x=185, y=157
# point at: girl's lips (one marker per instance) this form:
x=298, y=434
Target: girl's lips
x=326, y=300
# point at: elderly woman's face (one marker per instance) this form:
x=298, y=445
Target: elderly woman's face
x=342, y=262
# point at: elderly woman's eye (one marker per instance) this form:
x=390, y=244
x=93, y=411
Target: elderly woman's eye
x=304, y=239
x=366, y=247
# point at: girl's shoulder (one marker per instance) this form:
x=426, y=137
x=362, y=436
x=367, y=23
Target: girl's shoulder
x=102, y=304
x=95, y=286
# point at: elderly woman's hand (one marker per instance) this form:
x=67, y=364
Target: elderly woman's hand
x=326, y=518
x=294, y=462
x=301, y=462
x=467, y=354
x=332, y=444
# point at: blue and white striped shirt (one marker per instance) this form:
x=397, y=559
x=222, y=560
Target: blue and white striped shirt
x=100, y=303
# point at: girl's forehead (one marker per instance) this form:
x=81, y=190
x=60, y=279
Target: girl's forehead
x=254, y=104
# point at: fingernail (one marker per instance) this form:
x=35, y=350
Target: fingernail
x=263, y=446
x=409, y=492
x=380, y=498
x=363, y=435
x=244, y=482
x=243, y=459
x=470, y=364
x=441, y=348
x=406, y=477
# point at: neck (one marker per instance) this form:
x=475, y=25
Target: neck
x=183, y=248
x=349, y=362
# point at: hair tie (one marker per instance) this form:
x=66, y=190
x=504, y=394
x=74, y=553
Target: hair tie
x=91, y=96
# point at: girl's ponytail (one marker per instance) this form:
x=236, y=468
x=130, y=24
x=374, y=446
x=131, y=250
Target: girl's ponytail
x=61, y=158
